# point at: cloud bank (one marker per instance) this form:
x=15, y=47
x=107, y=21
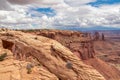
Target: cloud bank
x=25, y=14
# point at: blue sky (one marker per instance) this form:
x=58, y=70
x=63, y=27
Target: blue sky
x=60, y=14
x=46, y=11
x=98, y=3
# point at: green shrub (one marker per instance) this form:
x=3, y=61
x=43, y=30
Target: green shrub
x=39, y=64
x=2, y=56
x=29, y=68
x=69, y=65
x=36, y=38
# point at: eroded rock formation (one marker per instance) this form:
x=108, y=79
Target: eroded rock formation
x=12, y=69
x=82, y=45
x=51, y=55
x=79, y=43
x=97, y=36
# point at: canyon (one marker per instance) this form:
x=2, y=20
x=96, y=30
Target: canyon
x=84, y=46
x=55, y=55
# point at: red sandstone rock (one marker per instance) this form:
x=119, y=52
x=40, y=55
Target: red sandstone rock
x=50, y=54
x=83, y=47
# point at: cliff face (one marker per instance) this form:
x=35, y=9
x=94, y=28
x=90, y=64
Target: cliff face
x=79, y=43
x=57, y=62
x=82, y=45
x=109, y=51
x=12, y=69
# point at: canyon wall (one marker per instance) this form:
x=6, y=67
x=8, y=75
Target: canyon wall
x=82, y=45
x=55, y=59
x=79, y=43
x=63, y=55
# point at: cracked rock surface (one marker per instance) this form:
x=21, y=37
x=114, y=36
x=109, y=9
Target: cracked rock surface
x=51, y=55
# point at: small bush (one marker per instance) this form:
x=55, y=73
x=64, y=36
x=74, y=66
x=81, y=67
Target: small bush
x=36, y=38
x=39, y=64
x=69, y=65
x=2, y=56
x=29, y=68
x=29, y=71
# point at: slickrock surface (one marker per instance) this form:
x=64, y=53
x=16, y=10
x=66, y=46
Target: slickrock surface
x=109, y=72
x=11, y=69
x=51, y=55
x=82, y=45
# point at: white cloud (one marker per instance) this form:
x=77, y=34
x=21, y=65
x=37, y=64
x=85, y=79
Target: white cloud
x=77, y=2
x=40, y=2
x=4, y=5
x=69, y=13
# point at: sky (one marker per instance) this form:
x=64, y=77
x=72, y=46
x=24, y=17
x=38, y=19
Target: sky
x=60, y=14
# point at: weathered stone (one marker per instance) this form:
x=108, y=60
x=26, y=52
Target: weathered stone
x=50, y=54
x=82, y=45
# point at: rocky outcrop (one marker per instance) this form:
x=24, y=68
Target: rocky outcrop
x=82, y=45
x=51, y=55
x=109, y=72
x=97, y=36
x=79, y=43
x=11, y=69
x=103, y=37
